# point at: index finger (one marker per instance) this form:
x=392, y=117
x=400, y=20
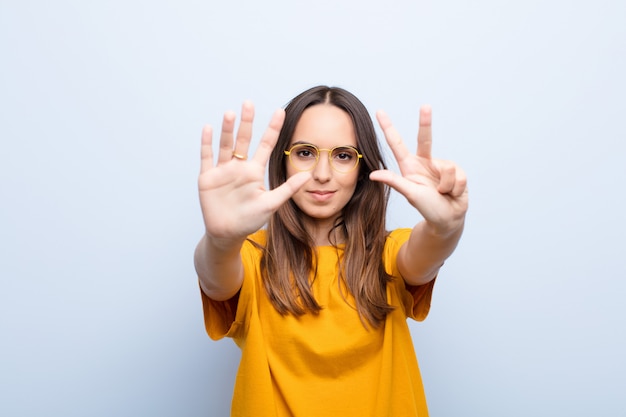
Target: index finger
x=400, y=151
x=425, y=133
x=269, y=138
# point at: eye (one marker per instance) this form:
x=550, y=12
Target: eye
x=344, y=154
x=305, y=151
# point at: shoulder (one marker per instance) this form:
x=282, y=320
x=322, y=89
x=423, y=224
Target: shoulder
x=397, y=238
x=252, y=248
x=394, y=241
x=257, y=239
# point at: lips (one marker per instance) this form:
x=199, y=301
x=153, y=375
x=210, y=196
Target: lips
x=321, y=195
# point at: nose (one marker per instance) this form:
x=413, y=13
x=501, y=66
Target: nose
x=322, y=171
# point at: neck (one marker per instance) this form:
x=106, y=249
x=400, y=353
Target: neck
x=323, y=232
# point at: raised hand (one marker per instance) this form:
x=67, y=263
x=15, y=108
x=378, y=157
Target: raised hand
x=436, y=188
x=233, y=196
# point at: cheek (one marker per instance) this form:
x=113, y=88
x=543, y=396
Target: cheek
x=289, y=170
x=350, y=181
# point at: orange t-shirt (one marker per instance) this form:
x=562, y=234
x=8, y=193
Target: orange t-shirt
x=327, y=364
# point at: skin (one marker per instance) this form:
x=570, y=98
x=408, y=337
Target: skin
x=235, y=202
x=324, y=196
x=437, y=189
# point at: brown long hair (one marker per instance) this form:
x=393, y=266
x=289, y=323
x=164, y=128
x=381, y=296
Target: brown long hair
x=289, y=256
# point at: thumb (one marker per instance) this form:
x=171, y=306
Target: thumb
x=395, y=181
x=381, y=175
x=279, y=195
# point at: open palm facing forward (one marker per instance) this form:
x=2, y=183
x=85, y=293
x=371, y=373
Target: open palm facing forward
x=233, y=197
x=436, y=188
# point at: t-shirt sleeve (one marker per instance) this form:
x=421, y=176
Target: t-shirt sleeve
x=415, y=299
x=219, y=316
x=228, y=318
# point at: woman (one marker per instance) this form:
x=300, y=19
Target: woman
x=318, y=299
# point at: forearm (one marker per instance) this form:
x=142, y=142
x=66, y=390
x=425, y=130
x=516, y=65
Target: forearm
x=219, y=267
x=426, y=250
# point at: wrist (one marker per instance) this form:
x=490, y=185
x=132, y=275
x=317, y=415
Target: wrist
x=223, y=245
x=444, y=229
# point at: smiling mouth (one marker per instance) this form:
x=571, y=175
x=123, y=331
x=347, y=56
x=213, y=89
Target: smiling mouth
x=321, y=195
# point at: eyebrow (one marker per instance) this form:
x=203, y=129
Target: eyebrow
x=301, y=142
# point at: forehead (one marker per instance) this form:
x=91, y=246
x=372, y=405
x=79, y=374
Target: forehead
x=325, y=126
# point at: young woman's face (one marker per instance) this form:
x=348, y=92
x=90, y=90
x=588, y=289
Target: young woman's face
x=325, y=195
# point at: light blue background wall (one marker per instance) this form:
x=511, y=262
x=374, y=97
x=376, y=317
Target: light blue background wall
x=101, y=108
